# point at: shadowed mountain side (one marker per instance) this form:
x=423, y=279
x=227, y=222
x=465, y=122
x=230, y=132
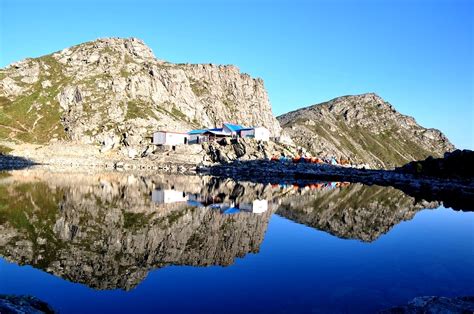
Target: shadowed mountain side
x=354, y=212
x=110, y=234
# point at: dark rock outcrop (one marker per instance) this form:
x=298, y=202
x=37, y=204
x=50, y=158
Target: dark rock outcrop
x=432, y=304
x=458, y=164
x=12, y=304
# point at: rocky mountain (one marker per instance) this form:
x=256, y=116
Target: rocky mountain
x=365, y=129
x=115, y=90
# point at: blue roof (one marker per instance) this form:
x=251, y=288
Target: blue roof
x=234, y=127
x=197, y=131
x=230, y=126
x=232, y=210
x=195, y=204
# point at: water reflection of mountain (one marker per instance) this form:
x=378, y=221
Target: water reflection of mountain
x=109, y=230
x=354, y=212
x=106, y=232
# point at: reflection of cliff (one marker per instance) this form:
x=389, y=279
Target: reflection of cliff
x=108, y=230
x=354, y=212
x=105, y=231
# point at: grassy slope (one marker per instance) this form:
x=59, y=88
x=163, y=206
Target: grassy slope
x=359, y=141
x=18, y=120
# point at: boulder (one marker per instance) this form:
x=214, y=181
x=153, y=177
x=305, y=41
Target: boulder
x=132, y=153
x=239, y=149
x=23, y=304
x=435, y=304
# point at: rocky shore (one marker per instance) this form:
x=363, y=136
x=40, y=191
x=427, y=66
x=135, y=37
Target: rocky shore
x=446, y=179
x=456, y=193
x=178, y=159
x=435, y=304
x=11, y=304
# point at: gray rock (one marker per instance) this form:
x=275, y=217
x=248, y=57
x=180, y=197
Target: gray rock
x=435, y=304
x=10, y=304
x=239, y=149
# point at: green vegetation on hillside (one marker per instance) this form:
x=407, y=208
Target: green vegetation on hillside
x=32, y=209
x=4, y=150
x=387, y=146
x=35, y=116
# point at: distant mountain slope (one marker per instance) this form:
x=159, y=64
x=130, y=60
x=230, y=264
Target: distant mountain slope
x=116, y=89
x=365, y=129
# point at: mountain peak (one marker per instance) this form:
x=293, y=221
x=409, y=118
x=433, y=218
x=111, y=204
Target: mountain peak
x=364, y=128
x=115, y=90
x=135, y=49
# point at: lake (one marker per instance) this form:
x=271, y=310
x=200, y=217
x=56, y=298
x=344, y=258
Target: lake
x=123, y=242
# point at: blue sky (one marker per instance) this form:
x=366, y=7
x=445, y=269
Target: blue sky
x=418, y=55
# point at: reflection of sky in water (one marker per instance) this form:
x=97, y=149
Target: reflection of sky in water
x=298, y=269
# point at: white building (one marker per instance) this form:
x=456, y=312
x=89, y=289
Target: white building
x=169, y=138
x=258, y=133
x=168, y=196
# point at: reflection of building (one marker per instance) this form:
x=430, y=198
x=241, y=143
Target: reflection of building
x=256, y=207
x=221, y=202
x=168, y=196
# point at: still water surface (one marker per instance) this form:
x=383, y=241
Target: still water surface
x=120, y=243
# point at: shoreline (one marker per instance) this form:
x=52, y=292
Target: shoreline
x=455, y=193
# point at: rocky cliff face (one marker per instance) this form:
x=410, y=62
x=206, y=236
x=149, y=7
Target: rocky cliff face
x=115, y=90
x=365, y=129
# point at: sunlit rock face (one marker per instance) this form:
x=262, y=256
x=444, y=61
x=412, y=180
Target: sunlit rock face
x=114, y=89
x=354, y=212
x=107, y=232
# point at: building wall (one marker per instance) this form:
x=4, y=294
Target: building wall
x=262, y=134
x=247, y=133
x=159, y=138
x=169, y=138
x=197, y=139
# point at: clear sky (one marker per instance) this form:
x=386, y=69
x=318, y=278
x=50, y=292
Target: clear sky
x=418, y=55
